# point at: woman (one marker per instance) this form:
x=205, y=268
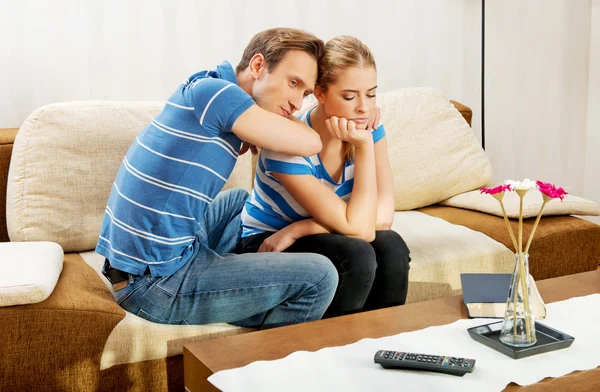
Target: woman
x=338, y=203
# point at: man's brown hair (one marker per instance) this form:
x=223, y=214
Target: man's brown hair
x=273, y=44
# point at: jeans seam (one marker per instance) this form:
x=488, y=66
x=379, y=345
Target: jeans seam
x=214, y=228
x=243, y=288
x=135, y=289
x=316, y=286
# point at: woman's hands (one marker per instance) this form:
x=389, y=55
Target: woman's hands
x=278, y=241
x=343, y=129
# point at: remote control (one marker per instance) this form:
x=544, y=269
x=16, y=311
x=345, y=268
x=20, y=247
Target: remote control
x=426, y=362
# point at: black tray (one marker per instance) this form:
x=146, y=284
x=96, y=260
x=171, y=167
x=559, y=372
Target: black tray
x=548, y=339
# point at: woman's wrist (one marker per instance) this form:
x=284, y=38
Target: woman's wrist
x=363, y=143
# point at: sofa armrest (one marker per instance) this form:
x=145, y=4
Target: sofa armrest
x=7, y=137
x=466, y=111
x=58, y=343
x=563, y=245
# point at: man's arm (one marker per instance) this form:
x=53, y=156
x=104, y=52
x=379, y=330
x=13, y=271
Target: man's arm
x=276, y=133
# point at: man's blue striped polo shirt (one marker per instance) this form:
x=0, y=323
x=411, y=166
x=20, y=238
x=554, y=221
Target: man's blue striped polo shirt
x=174, y=168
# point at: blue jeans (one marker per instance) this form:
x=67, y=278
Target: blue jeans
x=252, y=290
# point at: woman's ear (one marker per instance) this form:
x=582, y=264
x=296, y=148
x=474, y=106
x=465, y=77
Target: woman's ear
x=257, y=65
x=319, y=94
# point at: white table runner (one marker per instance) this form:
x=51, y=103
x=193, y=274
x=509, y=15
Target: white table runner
x=351, y=367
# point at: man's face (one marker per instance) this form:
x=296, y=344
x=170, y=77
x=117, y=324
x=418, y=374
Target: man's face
x=281, y=89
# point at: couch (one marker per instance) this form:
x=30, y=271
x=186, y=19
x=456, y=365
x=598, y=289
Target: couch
x=57, y=170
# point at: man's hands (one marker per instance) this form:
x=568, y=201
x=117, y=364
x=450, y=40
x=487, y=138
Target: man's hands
x=278, y=242
x=247, y=146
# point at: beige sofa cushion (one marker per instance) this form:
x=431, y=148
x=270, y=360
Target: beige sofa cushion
x=532, y=202
x=65, y=158
x=433, y=152
x=440, y=251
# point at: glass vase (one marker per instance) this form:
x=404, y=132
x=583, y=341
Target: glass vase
x=518, y=327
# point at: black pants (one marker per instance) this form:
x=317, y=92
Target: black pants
x=371, y=275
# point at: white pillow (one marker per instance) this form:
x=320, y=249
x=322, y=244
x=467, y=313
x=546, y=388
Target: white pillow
x=30, y=271
x=532, y=202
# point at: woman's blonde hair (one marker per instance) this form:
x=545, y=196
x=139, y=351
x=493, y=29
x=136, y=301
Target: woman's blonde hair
x=342, y=52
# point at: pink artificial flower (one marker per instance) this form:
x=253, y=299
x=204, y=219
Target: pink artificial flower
x=551, y=190
x=495, y=190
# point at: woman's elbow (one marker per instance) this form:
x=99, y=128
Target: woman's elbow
x=368, y=236
x=365, y=235
x=385, y=225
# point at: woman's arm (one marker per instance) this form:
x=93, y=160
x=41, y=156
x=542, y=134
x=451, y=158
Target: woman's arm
x=385, y=187
x=356, y=218
x=285, y=237
x=385, y=208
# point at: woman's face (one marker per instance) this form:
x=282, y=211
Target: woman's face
x=352, y=96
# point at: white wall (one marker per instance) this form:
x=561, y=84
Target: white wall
x=591, y=188
x=537, y=62
x=140, y=50
x=542, y=61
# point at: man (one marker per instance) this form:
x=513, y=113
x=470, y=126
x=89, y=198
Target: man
x=167, y=231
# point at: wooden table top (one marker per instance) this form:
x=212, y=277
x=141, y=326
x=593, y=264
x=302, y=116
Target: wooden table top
x=239, y=350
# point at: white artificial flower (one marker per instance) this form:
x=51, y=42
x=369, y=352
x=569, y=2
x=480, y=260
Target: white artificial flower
x=524, y=185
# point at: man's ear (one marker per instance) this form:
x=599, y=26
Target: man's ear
x=257, y=66
x=319, y=94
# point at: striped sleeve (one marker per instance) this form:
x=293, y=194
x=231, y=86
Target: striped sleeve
x=218, y=103
x=283, y=163
x=378, y=133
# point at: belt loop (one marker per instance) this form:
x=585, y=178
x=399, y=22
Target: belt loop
x=119, y=279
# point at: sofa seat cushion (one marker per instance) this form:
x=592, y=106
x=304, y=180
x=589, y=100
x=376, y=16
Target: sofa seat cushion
x=30, y=271
x=562, y=245
x=440, y=251
x=532, y=202
x=136, y=339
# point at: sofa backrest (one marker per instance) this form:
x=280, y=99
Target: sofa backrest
x=65, y=157
x=433, y=152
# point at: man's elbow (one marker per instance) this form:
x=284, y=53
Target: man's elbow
x=312, y=146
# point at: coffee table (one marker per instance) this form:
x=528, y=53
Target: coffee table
x=202, y=359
